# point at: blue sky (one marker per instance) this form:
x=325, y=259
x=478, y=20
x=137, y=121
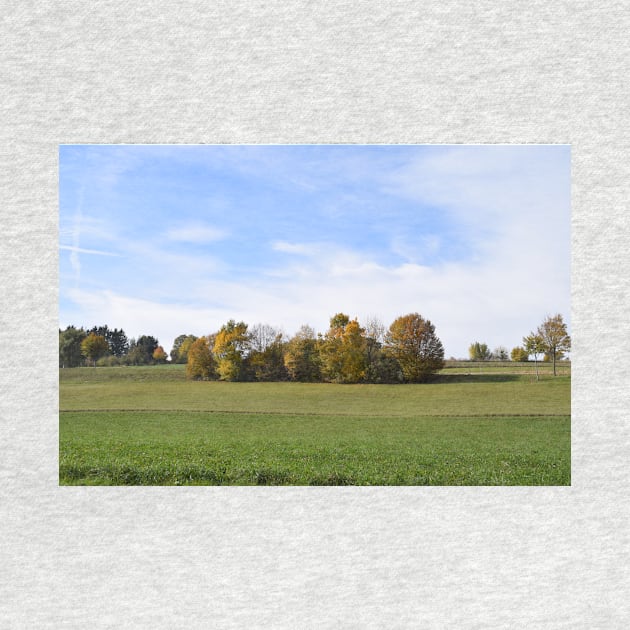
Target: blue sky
x=166, y=240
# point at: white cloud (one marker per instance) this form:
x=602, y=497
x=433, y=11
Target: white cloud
x=507, y=207
x=293, y=248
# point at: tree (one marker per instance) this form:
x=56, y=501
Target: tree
x=200, y=364
x=144, y=348
x=534, y=344
x=412, y=341
x=266, y=354
x=479, y=352
x=93, y=347
x=343, y=351
x=519, y=354
x=116, y=339
x=500, y=354
x=159, y=356
x=181, y=346
x=301, y=357
x=231, y=347
x=380, y=367
x=553, y=332
x=70, y=339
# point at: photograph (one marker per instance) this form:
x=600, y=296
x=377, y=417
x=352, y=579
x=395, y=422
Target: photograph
x=315, y=315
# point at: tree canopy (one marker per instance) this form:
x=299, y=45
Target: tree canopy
x=554, y=337
x=412, y=341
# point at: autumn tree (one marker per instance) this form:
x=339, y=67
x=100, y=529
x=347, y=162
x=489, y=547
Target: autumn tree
x=519, y=354
x=93, y=347
x=70, y=339
x=500, y=354
x=231, y=348
x=200, y=364
x=181, y=346
x=343, y=351
x=159, y=356
x=479, y=352
x=301, y=357
x=534, y=344
x=412, y=341
x=555, y=339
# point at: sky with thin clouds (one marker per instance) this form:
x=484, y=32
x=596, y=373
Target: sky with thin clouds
x=166, y=240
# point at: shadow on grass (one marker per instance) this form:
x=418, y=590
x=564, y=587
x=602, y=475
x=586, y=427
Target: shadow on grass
x=479, y=378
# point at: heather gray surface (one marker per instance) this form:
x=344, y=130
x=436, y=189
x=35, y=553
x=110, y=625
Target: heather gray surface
x=314, y=72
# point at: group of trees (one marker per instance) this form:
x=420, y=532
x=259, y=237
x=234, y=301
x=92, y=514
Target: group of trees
x=550, y=339
x=480, y=352
x=409, y=351
x=103, y=346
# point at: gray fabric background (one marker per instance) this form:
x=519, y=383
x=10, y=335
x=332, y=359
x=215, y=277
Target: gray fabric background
x=288, y=72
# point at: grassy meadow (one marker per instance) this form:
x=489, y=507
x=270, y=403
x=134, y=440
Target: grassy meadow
x=475, y=425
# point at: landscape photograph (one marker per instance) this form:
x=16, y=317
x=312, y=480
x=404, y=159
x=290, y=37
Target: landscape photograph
x=315, y=315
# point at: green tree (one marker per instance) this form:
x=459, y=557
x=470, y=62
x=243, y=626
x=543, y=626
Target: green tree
x=116, y=339
x=70, y=339
x=93, y=347
x=231, y=347
x=302, y=358
x=200, y=364
x=555, y=339
x=412, y=341
x=479, y=352
x=145, y=346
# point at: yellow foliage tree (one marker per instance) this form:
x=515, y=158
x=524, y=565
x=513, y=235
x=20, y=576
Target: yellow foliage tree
x=93, y=347
x=230, y=349
x=201, y=364
x=343, y=350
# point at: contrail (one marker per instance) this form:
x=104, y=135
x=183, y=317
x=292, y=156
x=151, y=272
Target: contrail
x=76, y=235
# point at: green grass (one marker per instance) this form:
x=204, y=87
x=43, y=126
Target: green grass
x=150, y=426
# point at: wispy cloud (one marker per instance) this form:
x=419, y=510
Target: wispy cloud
x=301, y=249
x=475, y=238
x=196, y=233
x=82, y=250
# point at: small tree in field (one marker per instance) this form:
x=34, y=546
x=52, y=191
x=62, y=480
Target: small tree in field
x=534, y=345
x=93, y=347
x=555, y=339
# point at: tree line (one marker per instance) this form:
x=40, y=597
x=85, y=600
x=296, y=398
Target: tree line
x=407, y=351
x=550, y=339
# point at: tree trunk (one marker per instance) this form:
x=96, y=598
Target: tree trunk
x=554, y=361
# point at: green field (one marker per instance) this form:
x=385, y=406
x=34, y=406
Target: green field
x=492, y=425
